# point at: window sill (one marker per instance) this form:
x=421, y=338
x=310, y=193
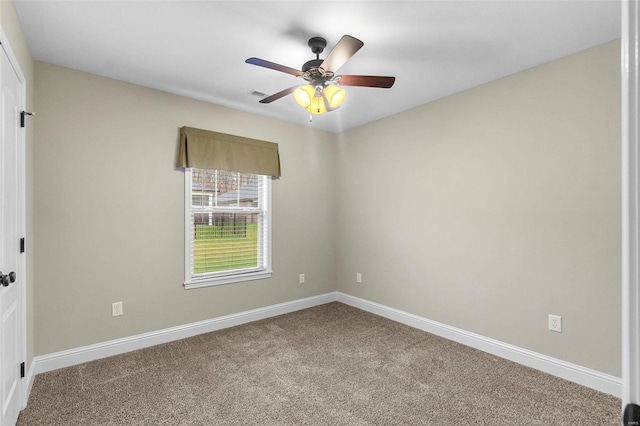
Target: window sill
x=229, y=279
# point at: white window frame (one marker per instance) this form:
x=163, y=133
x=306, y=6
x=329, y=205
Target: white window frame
x=226, y=277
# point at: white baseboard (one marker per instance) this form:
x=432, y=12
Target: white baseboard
x=67, y=358
x=584, y=376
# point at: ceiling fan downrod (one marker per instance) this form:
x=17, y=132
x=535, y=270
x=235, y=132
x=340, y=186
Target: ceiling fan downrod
x=317, y=45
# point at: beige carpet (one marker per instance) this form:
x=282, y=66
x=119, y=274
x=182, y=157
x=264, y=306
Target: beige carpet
x=328, y=365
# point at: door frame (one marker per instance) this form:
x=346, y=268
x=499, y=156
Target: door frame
x=23, y=392
x=630, y=203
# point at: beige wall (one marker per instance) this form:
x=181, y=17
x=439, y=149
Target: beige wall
x=109, y=211
x=13, y=30
x=490, y=209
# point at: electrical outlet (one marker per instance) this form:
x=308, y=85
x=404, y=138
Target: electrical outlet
x=116, y=309
x=555, y=323
x=358, y=277
x=301, y=278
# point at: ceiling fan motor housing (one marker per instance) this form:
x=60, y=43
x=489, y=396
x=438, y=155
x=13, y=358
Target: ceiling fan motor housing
x=314, y=63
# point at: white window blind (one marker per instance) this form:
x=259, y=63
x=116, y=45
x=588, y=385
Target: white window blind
x=227, y=229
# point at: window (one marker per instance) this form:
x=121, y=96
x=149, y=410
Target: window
x=227, y=214
x=227, y=227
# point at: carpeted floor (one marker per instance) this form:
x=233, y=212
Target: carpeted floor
x=328, y=365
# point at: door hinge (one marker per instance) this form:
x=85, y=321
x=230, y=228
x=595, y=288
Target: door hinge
x=21, y=245
x=22, y=369
x=22, y=114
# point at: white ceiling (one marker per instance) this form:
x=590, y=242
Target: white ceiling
x=197, y=48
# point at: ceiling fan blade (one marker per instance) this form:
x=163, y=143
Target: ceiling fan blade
x=366, y=81
x=346, y=48
x=278, y=95
x=272, y=65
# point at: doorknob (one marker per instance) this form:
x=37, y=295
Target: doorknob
x=5, y=280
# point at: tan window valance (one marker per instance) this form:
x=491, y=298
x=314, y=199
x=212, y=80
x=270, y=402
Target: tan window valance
x=204, y=149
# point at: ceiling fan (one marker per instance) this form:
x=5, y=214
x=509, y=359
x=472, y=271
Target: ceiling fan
x=322, y=93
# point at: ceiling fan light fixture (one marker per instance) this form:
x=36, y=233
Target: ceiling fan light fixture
x=304, y=95
x=318, y=100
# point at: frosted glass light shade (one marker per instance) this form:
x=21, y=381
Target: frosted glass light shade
x=335, y=96
x=304, y=95
x=317, y=106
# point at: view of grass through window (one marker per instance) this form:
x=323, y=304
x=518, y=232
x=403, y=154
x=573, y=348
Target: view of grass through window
x=220, y=248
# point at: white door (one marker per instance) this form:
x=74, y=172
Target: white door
x=12, y=277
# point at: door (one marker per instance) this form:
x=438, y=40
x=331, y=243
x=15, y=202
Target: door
x=11, y=217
